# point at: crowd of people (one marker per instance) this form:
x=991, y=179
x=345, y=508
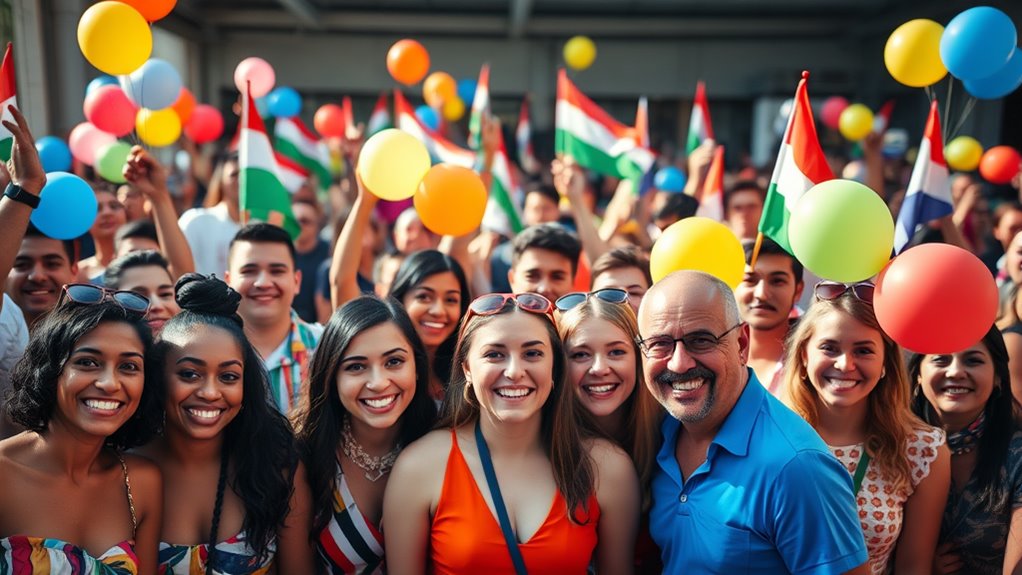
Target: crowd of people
x=204, y=394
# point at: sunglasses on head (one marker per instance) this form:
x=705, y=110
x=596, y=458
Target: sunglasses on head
x=494, y=303
x=827, y=290
x=89, y=294
x=609, y=295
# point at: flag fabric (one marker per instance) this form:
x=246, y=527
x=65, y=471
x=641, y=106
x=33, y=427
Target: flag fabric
x=347, y=114
x=480, y=106
x=700, y=128
x=800, y=166
x=882, y=120
x=379, y=120
x=440, y=149
x=928, y=196
x=292, y=174
x=711, y=199
x=297, y=142
x=642, y=136
x=262, y=196
x=8, y=97
x=597, y=142
x=523, y=138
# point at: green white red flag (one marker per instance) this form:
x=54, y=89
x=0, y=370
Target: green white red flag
x=8, y=97
x=700, y=128
x=262, y=196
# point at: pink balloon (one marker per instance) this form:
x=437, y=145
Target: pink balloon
x=256, y=71
x=109, y=109
x=831, y=111
x=205, y=125
x=389, y=211
x=85, y=140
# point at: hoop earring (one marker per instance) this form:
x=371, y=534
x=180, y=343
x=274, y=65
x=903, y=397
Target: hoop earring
x=466, y=392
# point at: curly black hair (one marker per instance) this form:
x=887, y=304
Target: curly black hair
x=33, y=395
x=263, y=477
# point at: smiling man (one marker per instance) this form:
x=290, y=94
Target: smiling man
x=742, y=483
x=261, y=267
x=41, y=268
x=544, y=260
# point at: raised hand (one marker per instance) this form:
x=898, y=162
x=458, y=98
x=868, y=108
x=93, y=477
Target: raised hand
x=145, y=174
x=24, y=168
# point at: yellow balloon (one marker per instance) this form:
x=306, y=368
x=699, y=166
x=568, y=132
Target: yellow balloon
x=579, y=52
x=454, y=109
x=158, y=127
x=963, y=154
x=856, y=122
x=912, y=53
x=114, y=37
x=700, y=244
x=392, y=164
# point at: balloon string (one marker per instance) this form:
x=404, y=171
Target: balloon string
x=970, y=104
x=928, y=90
x=947, y=105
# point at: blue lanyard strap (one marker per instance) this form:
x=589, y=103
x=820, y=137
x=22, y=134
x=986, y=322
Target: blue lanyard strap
x=498, y=502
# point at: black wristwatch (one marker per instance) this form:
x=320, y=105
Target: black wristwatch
x=18, y=194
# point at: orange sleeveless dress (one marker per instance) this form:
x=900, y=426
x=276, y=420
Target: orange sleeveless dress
x=466, y=538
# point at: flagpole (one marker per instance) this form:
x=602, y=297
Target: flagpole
x=241, y=141
x=755, y=250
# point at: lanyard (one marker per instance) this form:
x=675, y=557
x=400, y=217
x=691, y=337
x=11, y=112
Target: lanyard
x=860, y=472
x=498, y=503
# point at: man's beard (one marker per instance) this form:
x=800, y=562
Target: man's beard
x=665, y=380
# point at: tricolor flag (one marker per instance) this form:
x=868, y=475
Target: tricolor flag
x=700, y=128
x=596, y=141
x=297, y=142
x=440, y=149
x=800, y=166
x=480, y=106
x=523, y=137
x=262, y=196
x=379, y=120
x=929, y=190
x=642, y=123
x=711, y=199
x=883, y=118
x=8, y=97
x=292, y=174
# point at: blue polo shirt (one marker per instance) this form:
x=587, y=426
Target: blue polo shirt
x=770, y=498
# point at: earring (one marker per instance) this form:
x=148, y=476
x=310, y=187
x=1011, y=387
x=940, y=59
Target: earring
x=883, y=373
x=466, y=392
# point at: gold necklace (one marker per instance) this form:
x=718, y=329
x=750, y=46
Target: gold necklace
x=374, y=467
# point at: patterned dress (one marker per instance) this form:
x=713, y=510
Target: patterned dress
x=881, y=508
x=233, y=557
x=20, y=555
x=349, y=544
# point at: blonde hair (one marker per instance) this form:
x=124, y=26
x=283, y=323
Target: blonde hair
x=641, y=421
x=889, y=420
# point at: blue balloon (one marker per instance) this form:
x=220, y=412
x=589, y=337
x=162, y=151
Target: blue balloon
x=428, y=117
x=670, y=179
x=284, y=102
x=1003, y=82
x=154, y=85
x=54, y=154
x=977, y=43
x=67, y=207
x=467, y=90
x=98, y=82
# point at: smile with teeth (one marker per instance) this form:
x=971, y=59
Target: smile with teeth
x=513, y=392
x=102, y=405
x=687, y=385
x=843, y=383
x=380, y=402
x=956, y=390
x=205, y=413
x=600, y=388
x=433, y=324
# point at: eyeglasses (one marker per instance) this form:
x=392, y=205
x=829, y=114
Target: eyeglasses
x=826, y=290
x=89, y=294
x=493, y=303
x=609, y=295
x=699, y=342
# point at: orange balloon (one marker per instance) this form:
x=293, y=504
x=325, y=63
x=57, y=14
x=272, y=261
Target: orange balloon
x=438, y=88
x=408, y=62
x=451, y=200
x=184, y=106
x=151, y=10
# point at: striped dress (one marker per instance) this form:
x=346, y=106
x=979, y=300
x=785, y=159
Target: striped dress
x=233, y=557
x=349, y=544
x=20, y=555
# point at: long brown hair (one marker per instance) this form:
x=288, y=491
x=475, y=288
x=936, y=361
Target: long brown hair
x=565, y=423
x=889, y=420
x=642, y=417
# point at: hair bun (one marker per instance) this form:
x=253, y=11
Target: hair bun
x=201, y=294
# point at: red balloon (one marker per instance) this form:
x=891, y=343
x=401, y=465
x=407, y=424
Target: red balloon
x=831, y=111
x=1000, y=164
x=152, y=10
x=109, y=109
x=936, y=298
x=329, y=121
x=205, y=125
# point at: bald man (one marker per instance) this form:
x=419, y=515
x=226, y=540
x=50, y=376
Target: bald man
x=742, y=483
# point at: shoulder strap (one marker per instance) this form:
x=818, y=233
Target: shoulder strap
x=498, y=503
x=860, y=472
x=131, y=501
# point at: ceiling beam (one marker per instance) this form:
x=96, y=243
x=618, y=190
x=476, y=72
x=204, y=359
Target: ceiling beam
x=304, y=11
x=519, y=17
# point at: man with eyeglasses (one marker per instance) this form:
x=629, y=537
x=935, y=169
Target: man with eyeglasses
x=742, y=483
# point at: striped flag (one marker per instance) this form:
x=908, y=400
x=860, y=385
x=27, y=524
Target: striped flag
x=8, y=97
x=440, y=149
x=800, y=166
x=297, y=142
x=700, y=128
x=523, y=137
x=480, y=106
x=883, y=118
x=596, y=141
x=292, y=174
x=711, y=200
x=642, y=123
x=929, y=190
x=262, y=196
x=379, y=120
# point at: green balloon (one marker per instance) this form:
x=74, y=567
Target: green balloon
x=110, y=160
x=842, y=231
